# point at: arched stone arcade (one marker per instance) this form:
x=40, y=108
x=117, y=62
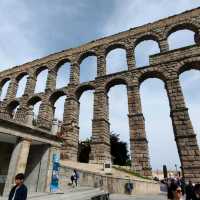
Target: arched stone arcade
x=166, y=65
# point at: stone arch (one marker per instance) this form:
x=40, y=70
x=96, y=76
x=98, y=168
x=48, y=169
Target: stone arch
x=118, y=45
x=11, y=108
x=114, y=82
x=80, y=90
x=34, y=103
x=38, y=71
x=152, y=74
x=4, y=81
x=60, y=63
x=20, y=76
x=151, y=36
x=177, y=27
x=2, y=85
x=33, y=100
x=189, y=28
x=188, y=65
x=189, y=76
x=21, y=83
x=153, y=84
x=87, y=63
x=62, y=70
x=84, y=95
x=116, y=58
x=57, y=101
x=146, y=45
x=55, y=96
x=116, y=95
x=86, y=55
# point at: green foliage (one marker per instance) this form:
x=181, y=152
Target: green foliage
x=84, y=150
x=119, y=150
x=128, y=162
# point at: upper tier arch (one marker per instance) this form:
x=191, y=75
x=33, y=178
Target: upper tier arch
x=116, y=45
x=85, y=55
x=192, y=26
x=115, y=81
x=148, y=36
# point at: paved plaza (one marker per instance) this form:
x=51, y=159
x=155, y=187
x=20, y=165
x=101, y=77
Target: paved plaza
x=145, y=197
x=82, y=196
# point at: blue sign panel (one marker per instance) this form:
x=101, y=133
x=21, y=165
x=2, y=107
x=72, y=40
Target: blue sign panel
x=55, y=173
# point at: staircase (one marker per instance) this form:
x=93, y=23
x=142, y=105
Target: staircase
x=79, y=193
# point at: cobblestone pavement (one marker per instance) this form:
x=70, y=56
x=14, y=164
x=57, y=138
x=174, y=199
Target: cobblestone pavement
x=126, y=197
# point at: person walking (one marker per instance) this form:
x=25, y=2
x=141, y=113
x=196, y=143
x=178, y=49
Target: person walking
x=196, y=192
x=19, y=191
x=182, y=180
x=189, y=190
x=72, y=179
x=177, y=193
x=76, y=177
x=171, y=187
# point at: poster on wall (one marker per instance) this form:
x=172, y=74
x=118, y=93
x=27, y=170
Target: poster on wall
x=55, y=173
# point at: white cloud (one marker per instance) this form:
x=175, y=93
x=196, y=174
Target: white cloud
x=130, y=13
x=15, y=46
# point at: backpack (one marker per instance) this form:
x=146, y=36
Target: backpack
x=77, y=175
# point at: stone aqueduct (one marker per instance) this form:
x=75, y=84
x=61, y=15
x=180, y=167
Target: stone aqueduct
x=167, y=66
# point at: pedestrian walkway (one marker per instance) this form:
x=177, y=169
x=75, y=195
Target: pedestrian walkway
x=138, y=197
x=87, y=195
x=82, y=193
x=98, y=168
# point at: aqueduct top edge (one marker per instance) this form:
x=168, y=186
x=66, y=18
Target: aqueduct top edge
x=132, y=34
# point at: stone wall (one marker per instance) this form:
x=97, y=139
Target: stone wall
x=6, y=151
x=167, y=66
x=34, y=168
x=107, y=182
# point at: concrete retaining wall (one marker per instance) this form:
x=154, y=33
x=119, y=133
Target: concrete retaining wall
x=107, y=182
x=6, y=151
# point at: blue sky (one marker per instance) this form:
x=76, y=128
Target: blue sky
x=33, y=29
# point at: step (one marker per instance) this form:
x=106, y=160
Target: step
x=79, y=193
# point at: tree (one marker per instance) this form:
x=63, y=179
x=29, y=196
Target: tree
x=84, y=151
x=119, y=150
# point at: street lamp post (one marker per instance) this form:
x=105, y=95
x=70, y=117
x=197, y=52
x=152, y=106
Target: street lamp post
x=176, y=168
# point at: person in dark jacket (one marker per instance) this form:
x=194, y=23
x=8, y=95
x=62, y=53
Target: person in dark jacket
x=189, y=190
x=19, y=191
x=171, y=187
x=196, y=192
x=76, y=177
